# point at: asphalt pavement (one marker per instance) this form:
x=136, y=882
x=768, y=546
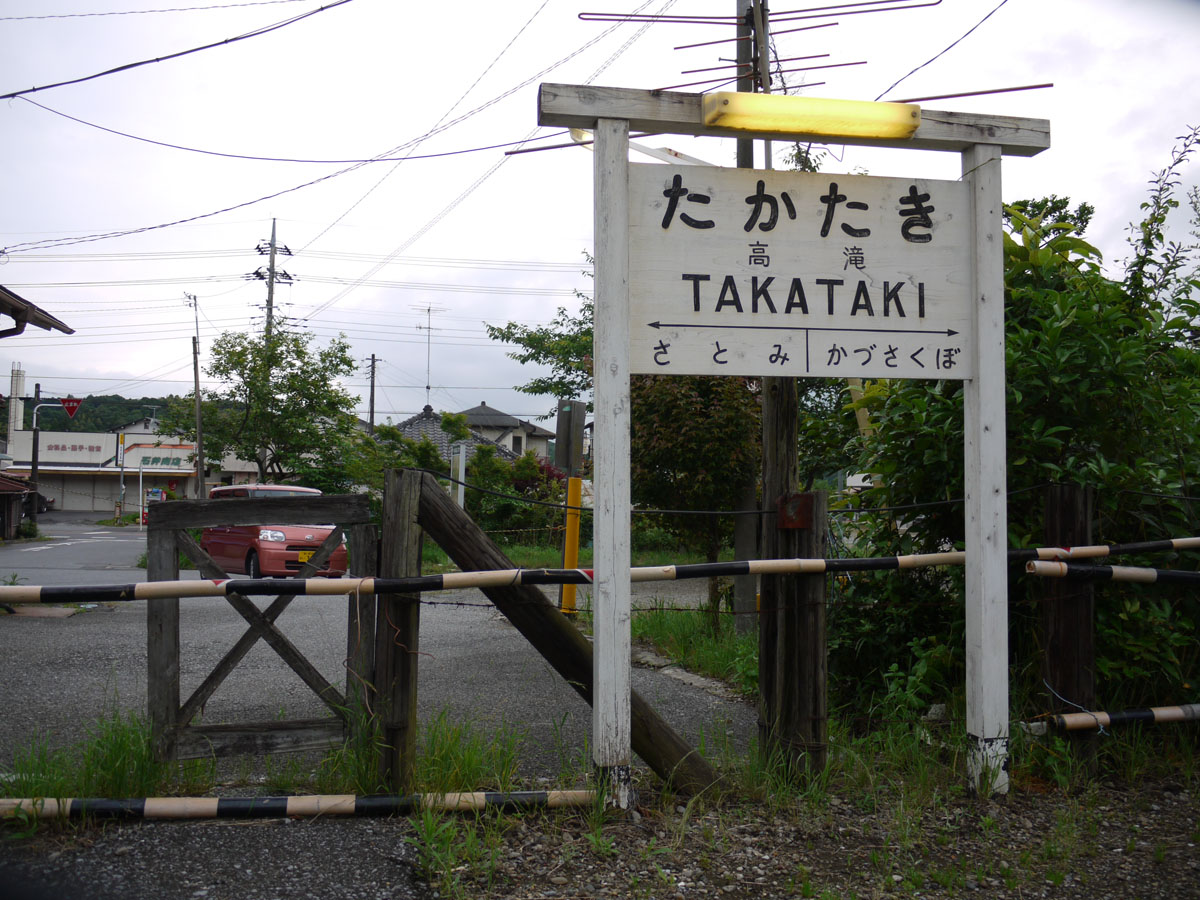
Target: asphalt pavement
x=62, y=675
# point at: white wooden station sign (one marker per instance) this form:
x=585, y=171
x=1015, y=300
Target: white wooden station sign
x=746, y=272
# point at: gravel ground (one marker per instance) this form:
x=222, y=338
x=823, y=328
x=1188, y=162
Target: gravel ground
x=1107, y=842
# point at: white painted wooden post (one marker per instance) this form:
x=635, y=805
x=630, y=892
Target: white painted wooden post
x=462, y=474
x=611, y=729
x=986, y=487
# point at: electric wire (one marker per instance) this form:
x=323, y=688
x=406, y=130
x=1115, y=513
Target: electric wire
x=258, y=32
x=278, y=159
x=943, y=52
x=142, y=12
x=429, y=133
x=495, y=167
x=59, y=242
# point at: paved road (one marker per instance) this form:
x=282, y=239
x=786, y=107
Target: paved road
x=78, y=552
x=60, y=675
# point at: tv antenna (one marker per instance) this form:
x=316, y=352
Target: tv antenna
x=428, y=328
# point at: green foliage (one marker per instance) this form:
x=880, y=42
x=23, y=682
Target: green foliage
x=565, y=346
x=688, y=461
x=114, y=760
x=686, y=636
x=1103, y=390
x=455, y=757
x=520, y=503
x=828, y=431
x=280, y=403
x=1053, y=210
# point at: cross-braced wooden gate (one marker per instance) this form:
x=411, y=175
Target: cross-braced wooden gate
x=174, y=735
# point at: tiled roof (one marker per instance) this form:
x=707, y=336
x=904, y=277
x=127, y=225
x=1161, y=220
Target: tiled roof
x=428, y=424
x=484, y=416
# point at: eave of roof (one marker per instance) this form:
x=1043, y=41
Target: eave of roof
x=25, y=313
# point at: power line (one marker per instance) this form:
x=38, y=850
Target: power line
x=277, y=159
x=943, y=52
x=142, y=12
x=484, y=177
x=258, y=32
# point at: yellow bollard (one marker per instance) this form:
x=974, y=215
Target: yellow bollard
x=571, y=543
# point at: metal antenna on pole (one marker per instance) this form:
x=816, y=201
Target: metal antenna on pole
x=429, y=311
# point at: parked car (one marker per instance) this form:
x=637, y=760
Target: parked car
x=270, y=551
x=44, y=504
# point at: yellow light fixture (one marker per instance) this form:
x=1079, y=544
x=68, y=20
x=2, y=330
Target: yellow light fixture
x=781, y=114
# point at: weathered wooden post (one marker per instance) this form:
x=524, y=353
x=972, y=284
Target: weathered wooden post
x=360, y=629
x=745, y=546
x=162, y=645
x=793, y=709
x=397, y=631
x=1068, y=612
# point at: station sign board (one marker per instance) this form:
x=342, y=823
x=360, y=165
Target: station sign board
x=752, y=272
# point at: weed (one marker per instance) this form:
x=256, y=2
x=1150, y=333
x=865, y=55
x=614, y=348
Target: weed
x=354, y=766
x=687, y=636
x=454, y=757
x=596, y=816
x=114, y=760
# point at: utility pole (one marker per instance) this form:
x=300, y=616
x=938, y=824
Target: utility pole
x=371, y=407
x=270, y=274
x=200, y=468
x=33, y=462
x=792, y=643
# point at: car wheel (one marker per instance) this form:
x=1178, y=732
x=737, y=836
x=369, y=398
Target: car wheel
x=252, y=567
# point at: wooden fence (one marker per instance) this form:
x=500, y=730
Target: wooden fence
x=383, y=634
x=174, y=735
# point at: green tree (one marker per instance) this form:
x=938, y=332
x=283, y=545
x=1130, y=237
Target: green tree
x=564, y=346
x=684, y=459
x=696, y=439
x=1103, y=390
x=279, y=405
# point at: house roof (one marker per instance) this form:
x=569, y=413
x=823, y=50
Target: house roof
x=484, y=416
x=428, y=424
x=13, y=485
x=25, y=313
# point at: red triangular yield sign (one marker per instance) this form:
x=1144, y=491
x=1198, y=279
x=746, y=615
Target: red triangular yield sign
x=71, y=405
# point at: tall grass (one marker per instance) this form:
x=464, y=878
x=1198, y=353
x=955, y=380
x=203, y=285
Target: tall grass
x=687, y=637
x=114, y=760
x=453, y=756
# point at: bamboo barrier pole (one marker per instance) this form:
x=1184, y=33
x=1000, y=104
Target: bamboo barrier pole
x=1155, y=715
x=153, y=590
x=1051, y=569
x=285, y=807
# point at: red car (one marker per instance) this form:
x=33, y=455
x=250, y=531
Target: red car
x=268, y=551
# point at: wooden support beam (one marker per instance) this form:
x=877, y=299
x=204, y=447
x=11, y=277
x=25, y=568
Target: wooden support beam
x=611, y=486
x=259, y=738
x=673, y=112
x=316, y=509
x=556, y=639
x=986, y=486
x=162, y=644
x=1069, y=614
x=398, y=631
x=260, y=621
x=360, y=622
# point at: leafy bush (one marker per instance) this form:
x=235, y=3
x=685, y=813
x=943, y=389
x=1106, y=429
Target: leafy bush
x=1103, y=390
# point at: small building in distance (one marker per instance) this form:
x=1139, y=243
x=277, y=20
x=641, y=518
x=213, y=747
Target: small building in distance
x=427, y=425
x=515, y=435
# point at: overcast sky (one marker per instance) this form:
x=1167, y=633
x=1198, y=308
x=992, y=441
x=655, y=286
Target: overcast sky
x=455, y=241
